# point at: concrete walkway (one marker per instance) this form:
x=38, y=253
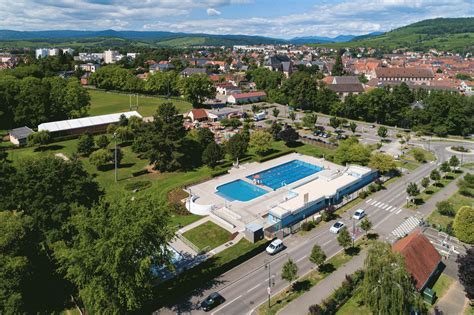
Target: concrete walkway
x=324, y=288
x=453, y=302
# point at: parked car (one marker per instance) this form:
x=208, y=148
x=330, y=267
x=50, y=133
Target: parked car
x=213, y=300
x=372, y=126
x=359, y=214
x=336, y=227
x=275, y=246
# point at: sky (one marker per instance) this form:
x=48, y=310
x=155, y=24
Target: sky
x=272, y=18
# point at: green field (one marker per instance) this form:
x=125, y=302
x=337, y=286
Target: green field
x=458, y=201
x=110, y=102
x=207, y=235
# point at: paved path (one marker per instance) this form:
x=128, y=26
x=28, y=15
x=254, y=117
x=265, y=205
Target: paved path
x=453, y=301
x=324, y=288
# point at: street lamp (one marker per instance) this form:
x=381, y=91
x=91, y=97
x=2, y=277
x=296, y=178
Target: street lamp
x=269, y=290
x=115, y=155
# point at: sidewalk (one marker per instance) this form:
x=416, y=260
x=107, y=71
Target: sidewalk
x=453, y=302
x=324, y=288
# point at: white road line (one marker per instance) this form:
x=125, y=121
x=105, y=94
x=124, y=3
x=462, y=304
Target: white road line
x=254, y=287
x=367, y=201
x=327, y=242
x=399, y=210
x=384, y=207
x=226, y=304
x=393, y=209
x=298, y=260
x=377, y=204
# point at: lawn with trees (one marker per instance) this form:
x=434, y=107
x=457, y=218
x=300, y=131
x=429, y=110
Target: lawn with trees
x=207, y=236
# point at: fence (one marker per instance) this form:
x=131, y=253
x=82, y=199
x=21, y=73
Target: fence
x=188, y=243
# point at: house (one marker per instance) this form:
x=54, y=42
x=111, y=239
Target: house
x=78, y=126
x=467, y=87
x=250, y=97
x=227, y=88
x=88, y=67
x=415, y=75
x=190, y=71
x=345, y=80
x=421, y=258
x=274, y=63
x=19, y=136
x=221, y=113
x=161, y=66
x=197, y=114
x=344, y=90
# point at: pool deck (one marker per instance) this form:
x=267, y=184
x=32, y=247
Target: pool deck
x=241, y=213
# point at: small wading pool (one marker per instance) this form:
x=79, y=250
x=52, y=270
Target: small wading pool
x=240, y=190
x=285, y=174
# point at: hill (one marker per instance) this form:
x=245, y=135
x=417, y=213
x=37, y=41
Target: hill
x=451, y=34
x=90, y=39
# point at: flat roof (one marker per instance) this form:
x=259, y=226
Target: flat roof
x=70, y=124
x=21, y=132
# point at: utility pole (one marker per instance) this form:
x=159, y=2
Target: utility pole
x=115, y=138
x=269, y=290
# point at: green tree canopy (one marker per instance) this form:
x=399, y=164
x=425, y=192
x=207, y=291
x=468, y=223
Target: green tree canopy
x=261, y=141
x=39, y=138
x=289, y=271
x=196, y=88
x=85, y=144
x=366, y=225
x=464, y=224
x=466, y=272
x=212, y=154
x=382, y=132
x=237, y=145
x=344, y=238
x=289, y=135
x=309, y=120
x=351, y=151
x=103, y=142
x=382, y=162
x=317, y=255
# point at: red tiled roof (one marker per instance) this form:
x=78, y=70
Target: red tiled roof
x=199, y=113
x=421, y=257
x=249, y=94
x=404, y=73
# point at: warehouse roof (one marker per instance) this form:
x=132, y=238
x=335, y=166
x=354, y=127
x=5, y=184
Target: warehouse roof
x=84, y=122
x=21, y=133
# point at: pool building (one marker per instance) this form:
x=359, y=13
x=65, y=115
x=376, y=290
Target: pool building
x=278, y=193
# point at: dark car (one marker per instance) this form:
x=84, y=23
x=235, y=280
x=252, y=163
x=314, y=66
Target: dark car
x=213, y=300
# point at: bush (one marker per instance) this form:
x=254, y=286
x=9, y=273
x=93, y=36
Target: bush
x=445, y=208
x=307, y=226
x=363, y=194
x=372, y=188
x=419, y=155
x=138, y=185
x=178, y=208
x=463, y=224
x=274, y=155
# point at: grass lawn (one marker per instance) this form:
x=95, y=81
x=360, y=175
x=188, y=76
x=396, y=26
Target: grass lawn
x=442, y=285
x=409, y=162
x=353, y=306
x=111, y=102
x=457, y=200
x=409, y=165
x=178, y=289
x=207, y=235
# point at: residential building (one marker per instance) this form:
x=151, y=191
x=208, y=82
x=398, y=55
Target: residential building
x=42, y=53
x=415, y=75
x=88, y=67
x=343, y=90
x=197, y=114
x=221, y=113
x=249, y=97
x=190, y=71
x=112, y=56
x=19, y=136
x=227, y=88
x=345, y=80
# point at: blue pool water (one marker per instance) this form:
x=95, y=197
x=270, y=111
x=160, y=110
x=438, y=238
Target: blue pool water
x=240, y=190
x=285, y=174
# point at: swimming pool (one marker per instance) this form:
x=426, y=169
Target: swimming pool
x=240, y=190
x=285, y=174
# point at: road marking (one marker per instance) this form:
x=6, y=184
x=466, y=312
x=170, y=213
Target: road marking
x=399, y=210
x=376, y=204
x=385, y=206
x=327, y=242
x=367, y=201
x=254, y=287
x=226, y=304
x=298, y=260
x=393, y=209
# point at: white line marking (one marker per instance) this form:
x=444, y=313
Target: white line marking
x=226, y=304
x=377, y=204
x=327, y=242
x=399, y=210
x=367, y=201
x=385, y=206
x=254, y=287
x=298, y=260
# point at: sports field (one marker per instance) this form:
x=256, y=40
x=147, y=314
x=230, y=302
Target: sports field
x=110, y=102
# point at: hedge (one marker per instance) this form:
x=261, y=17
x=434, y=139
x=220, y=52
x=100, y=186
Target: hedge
x=274, y=155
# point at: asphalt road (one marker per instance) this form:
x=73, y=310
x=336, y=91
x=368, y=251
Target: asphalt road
x=245, y=287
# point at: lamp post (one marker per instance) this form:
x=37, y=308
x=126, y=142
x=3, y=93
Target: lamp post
x=269, y=290
x=115, y=155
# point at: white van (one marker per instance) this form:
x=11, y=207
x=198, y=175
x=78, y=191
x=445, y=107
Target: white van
x=259, y=116
x=275, y=246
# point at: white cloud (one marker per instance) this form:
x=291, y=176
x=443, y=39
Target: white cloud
x=212, y=12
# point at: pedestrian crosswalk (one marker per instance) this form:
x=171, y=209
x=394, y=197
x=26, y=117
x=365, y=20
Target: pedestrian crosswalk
x=406, y=227
x=383, y=206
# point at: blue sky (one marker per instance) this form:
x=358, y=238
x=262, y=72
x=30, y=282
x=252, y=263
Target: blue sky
x=275, y=18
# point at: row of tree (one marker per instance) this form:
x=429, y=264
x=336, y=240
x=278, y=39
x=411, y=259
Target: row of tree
x=31, y=101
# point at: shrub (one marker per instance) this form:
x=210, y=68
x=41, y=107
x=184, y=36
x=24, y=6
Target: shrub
x=372, y=188
x=315, y=310
x=463, y=224
x=307, y=226
x=419, y=155
x=445, y=208
x=363, y=194
x=178, y=208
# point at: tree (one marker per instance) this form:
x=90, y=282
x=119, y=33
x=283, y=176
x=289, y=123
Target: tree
x=255, y=108
x=212, y=154
x=292, y=116
x=412, y=190
x=289, y=135
x=382, y=132
x=446, y=208
x=425, y=182
x=351, y=151
x=435, y=176
x=445, y=168
x=338, y=68
x=100, y=157
x=14, y=263
x=103, y=142
x=275, y=129
x=309, y=120
x=124, y=133
x=344, y=238
x=124, y=239
x=366, y=225
x=353, y=127
x=275, y=112
x=419, y=155
x=289, y=271
x=236, y=146
x=196, y=88
x=382, y=162
x=387, y=287
x=205, y=136
x=261, y=141
x=454, y=161
x=334, y=122
x=317, y=256
x=85, y=144
x=463, y=224
x=39, y=138
x=466, y=272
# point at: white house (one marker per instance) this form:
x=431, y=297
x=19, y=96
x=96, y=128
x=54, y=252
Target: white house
x=249, y=97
